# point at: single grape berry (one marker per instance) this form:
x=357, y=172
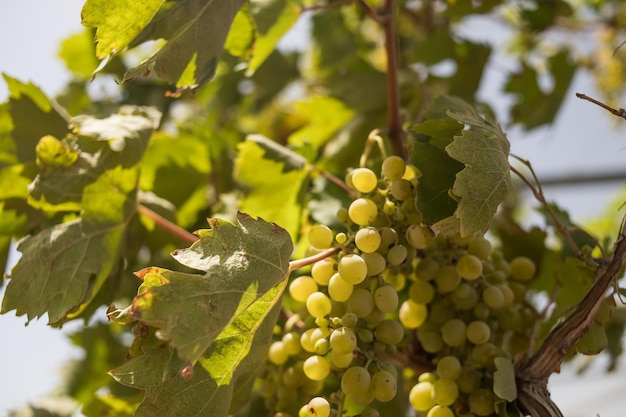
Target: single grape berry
x=318, y=407
x=522, y=268
x=362, y=211
x=364, y=180
x=320, y=236
x=393, y=168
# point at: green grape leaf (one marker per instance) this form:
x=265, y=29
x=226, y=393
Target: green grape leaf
x=504, y=379
x=223, y=373
x=241, y=35
x=614, y=332
x=594, y=341
x=277, y=152
x=241, y=263
x=486, y=180
x=77, y=52
x=275, y=195
x=191, y=51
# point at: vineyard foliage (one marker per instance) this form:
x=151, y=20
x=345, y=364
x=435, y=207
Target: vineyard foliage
x=262, y=170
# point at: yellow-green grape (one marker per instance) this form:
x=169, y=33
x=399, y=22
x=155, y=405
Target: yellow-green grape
x=320, y=236
x=370, y=412
x=427, y=377
x=343, y=340
x=478, y=332
x=306, y=341
x=367, y=239
x=507, y=292
x=421, y=397
x=339, y=289
x=469, y=267
x=449, y=367
x=323, y=270
x=304, y=411
x=464, y=297
x=393, y=168
x=397, y=255
x=421, y=292
x=523, y=268
x=361, y=302
x=453, y=332
x=356, y=382
x=440, y=411
x=469, y=380
x=484, y=354
x=447, y=279
x=481, y=311
x=362, y=211
x=480, y=247
x=318, y=304
x=412, y=314
x=388, y=238
x=386, y=298
x=316, y=367
x=418, y=236
x=426, y=269
x=389, y=332
x=301, y=287
x=445, y=391
x=349, y=320
x=322, y=346
x=375, y=262
x=384, y=386
x=341, y=360
x=291, y=341
x=366, y=335
x=389, y=367
x=352, y=269
x=364, y=180
x=493, y=297
x=341, y=238
x=277, y=353
x=481, y=402
x=401, y=189
x=318, y=407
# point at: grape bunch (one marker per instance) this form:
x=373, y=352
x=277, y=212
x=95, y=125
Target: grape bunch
x=397, y=311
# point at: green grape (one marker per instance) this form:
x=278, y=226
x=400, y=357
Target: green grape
x=412, y=314
x=293, y=375
x=318, y=407
x=523, y=268
x=453, y=332
x=478, y=332
x=469, y=267
x=323, y=270
x=481, y=311
x=352, y=269
x=427, y=377
x=318, y=304
x=366, y=335
x=291, y=341
x=306, y=341
x=304, y=411
x=441, y=312
x=386, y=298
x=420, y=396
x=320, y=236
x=367, y=239
x=341, y=238
x=426, y=269
x=419, y=237
x=277, y=354
x=375, y=262
x=440, y=411
x=349, y=320
x=389, y=367
x=375, y=317
x=449, y=367
x=362, y=211
x=493, y=297
x=370, y=412
x=507, y=292
x=388, y=238
x=356, y=382
x=322, y=346
x=397, y=255
x=421, y=292
x=393, y=168
x=389, y=332
x=389, y=207
x=364, y=180
x=481, y=402
x=447, y=279
x=411, y=214
x=339, y=289
x=464, y=297
x=469, y=379
x=484, y=354
x=401, y=189
x=509, y=318
x=445, y=391
x=342, y=215
x=343, y=340
x=341, y=360
x=301, y=287
x=316, y=367
x=361, y=302
x=480, y=247
x=384, y=386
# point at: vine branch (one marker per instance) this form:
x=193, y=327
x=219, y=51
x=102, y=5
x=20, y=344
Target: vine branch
x=299, y=263
x=617, y=112
x=167, y=225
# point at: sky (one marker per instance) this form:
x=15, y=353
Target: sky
x=584, y=139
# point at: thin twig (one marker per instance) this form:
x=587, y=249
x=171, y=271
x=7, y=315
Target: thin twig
x=376, y=17
x=299, y=263
x=332, y=178
x=167, y=225
x=619, y=112
x=315, y=7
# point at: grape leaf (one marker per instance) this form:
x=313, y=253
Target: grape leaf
x=486, y=180
x=504, y=379
x=241, y=263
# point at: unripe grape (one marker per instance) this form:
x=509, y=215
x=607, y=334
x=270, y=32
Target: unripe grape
x=480, y=247
x=367, y=239
x=401, y=189
x=464, y=297
x=366, y=335
x=453, y=332
x=393, y=168
x=469, y=379
x=484, y=354
x=523, y=268
x=447, y=279
x=343, y=340
x=352, y=269
x=356, y=382
x=418, y=236
x=370, y=412
x=412, y=314
x=320, y=236
x=481, y=402
x=420, y=396
x=375, y=262
x=384, y=386
x=449, y=367
x=291, y=342
x=318, y=304
x=469, y=267
x=341, y=360
x=277, y=353
x=478, y=332
x=341, y=238
x=493, y=297
x=507, y=292
x=322, y=346
x=440, y=411
x=318, y=407
x=316, y=367
x=364, y=180
x=339, y=289
x=389, y=332
x=323, y=270
x=361, y=302
x=301, y=287
x=396, y=255
x=426, y=269
x=306, y=341
x=362, y=211
x=388, y=238
x=349, y=320
x=421, y=292
x=386, y=298
x=445, y=391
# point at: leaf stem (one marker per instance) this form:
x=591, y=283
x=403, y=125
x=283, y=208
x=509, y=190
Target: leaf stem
x=167, y=225
x=617, y=112
x=299, y=263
